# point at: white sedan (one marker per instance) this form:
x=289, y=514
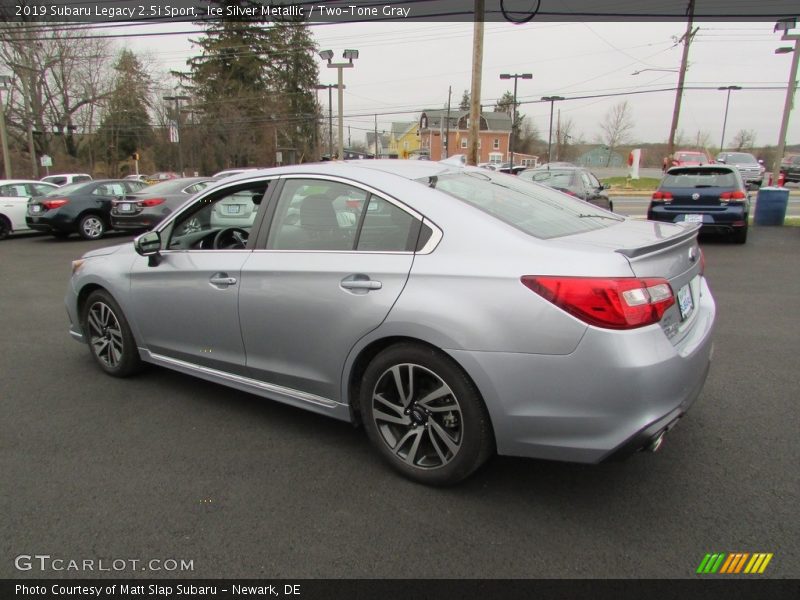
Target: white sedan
x=14, y=196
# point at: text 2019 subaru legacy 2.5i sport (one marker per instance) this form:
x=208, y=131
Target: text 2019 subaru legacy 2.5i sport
x=452, y=311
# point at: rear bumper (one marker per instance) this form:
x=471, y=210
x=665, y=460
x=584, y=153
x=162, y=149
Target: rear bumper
x=611, y=396
x=50, y=223
x=718, y=219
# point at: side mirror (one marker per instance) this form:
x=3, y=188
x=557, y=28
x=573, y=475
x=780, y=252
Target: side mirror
x=721, y=160
x=149, y=244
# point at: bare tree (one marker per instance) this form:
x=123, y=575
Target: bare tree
x=702, y=139
x=616, y=127
x=745, y=138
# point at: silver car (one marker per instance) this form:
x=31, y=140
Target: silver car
x=452, y=311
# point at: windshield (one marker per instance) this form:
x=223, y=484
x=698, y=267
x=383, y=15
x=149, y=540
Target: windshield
x=535, y=209
x=691, y=157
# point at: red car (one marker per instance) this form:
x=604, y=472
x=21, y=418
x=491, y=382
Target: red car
x=690, y=158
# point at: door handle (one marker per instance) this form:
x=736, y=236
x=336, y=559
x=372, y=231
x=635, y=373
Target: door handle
x=222, y=279
x=360, y=282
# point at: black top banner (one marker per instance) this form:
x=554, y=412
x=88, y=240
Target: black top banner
x=348, y=11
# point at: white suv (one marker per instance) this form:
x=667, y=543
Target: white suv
x=67, y=178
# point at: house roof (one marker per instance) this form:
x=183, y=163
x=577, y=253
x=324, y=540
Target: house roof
x=495, y=121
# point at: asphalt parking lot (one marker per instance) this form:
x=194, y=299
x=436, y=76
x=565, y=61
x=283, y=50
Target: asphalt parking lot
x=164, y=466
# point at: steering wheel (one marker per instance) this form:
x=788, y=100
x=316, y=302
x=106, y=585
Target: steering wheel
x=231, y=238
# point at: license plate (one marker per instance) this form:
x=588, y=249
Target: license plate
x=692, y=218
x=232, y=209
x=36, y=208
x=125, y=207
x=685, y=302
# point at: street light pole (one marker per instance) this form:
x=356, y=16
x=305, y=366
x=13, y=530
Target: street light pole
x=552, y=100
x=787, y=106
x=329, y=87
x=5, y=83
x=727, y=88
x=515, y=77
x=177, y=100
x=350, y=55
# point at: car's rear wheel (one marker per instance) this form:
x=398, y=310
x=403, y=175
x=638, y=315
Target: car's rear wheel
x=740, y=236
x=424, y=415
x=110, y=338
x=5, y=228
x=91, y=227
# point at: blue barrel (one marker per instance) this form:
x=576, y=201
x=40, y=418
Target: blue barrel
x=771, y=204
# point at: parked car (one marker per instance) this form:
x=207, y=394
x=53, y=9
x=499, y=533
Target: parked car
x=690, y=158
x=14, y=196
x=790, y=167
x=468, y=312
x=575, y=181
x=715, y=196
x=149, y=206
x=67, y=178
x=139, y=177
x=83, y=208
x=751, y=169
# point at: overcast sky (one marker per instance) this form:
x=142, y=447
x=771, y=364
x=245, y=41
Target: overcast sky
x=409, y=66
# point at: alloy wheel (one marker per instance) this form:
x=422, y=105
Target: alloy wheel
x=417, y=416
x=92, y=227
x=105, y=334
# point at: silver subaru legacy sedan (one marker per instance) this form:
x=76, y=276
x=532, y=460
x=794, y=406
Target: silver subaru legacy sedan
x=452, y=311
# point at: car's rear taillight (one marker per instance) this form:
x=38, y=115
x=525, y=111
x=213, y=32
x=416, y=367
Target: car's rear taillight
x=54, y=203
x=728, y=196
x=665, y=197
x=151, y=202
x=353, y=204
x=611, y=303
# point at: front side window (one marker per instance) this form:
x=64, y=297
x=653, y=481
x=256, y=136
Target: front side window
x=220, y=221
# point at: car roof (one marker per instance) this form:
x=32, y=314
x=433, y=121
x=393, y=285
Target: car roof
x=13, y=181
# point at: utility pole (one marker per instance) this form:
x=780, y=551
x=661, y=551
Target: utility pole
x=376, y=137
x=515, y=77
x=787, y=106
x=447, y=124
x=475, y=98
x=177, y=99
x=558, y=134
x=551, y=100
x=687, y=40
x=5, y=83
x=350, y=55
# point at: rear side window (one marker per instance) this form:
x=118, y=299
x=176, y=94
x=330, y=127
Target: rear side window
x=81, y=178
x=535, y=209
x=387, y=228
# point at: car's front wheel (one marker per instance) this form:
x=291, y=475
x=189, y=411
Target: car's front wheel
x=424, y=415
x=109, y=336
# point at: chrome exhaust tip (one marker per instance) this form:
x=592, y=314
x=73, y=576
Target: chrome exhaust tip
x=657, y=442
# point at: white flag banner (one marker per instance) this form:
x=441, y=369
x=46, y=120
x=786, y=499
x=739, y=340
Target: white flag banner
x=173, y=133
x=633, y=162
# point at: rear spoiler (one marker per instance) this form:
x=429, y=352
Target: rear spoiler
x=691, y=232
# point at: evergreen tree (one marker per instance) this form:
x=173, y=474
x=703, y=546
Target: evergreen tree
x=125, y=126
x=464, y=105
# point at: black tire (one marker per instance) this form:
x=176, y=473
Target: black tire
x=109, y=336
x=436, y=439
x=740, y=236
x=5, y=228
x=92, y=227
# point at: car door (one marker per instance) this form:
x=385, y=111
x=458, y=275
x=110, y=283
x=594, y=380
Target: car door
x=14, y=204
x=336, y=258
x=186, y=306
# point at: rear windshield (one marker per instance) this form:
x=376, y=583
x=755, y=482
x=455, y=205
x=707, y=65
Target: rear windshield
x=553, y=178
x=689, y=178
x=535, y=209
x=691, y=156
x=66, y=190
x=739, y=158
